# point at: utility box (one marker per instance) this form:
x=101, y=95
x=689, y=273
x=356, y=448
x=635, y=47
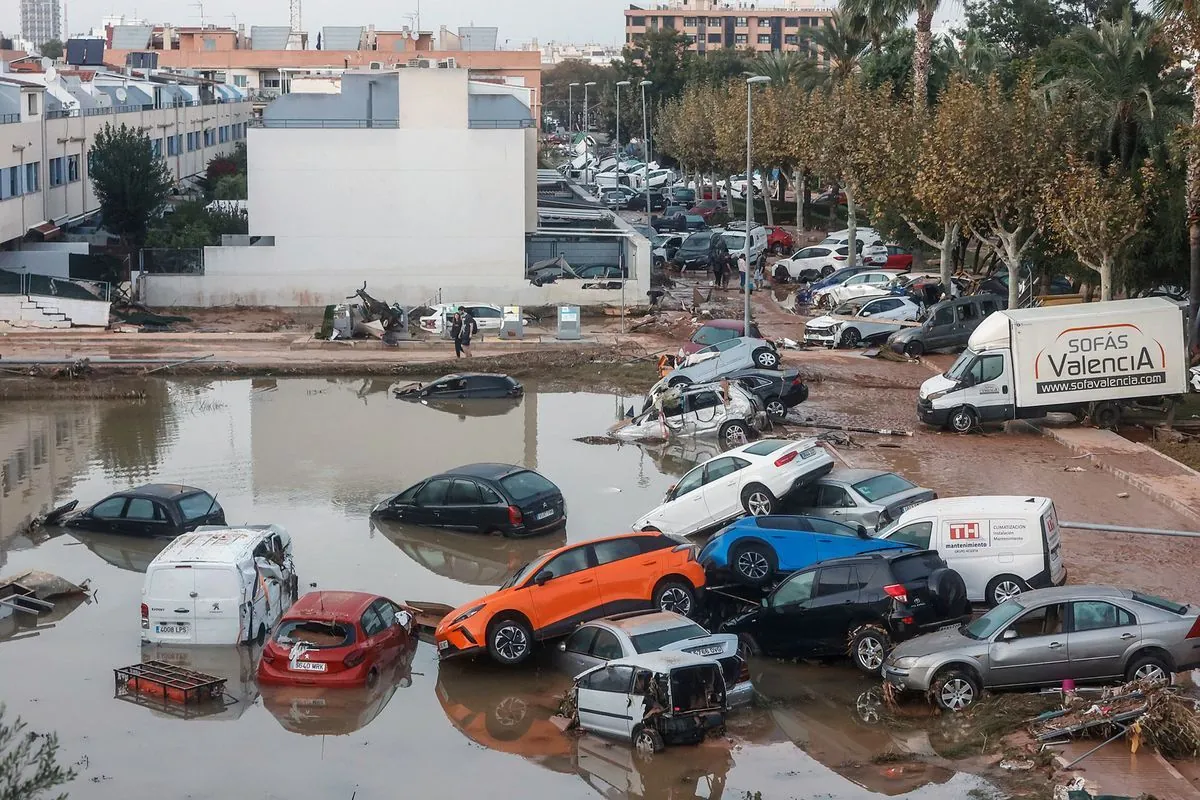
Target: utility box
x=512, y=326
x=568, y=322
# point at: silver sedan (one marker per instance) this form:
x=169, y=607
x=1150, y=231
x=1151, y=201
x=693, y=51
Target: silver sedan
x=868, y=497
x=1088, y=634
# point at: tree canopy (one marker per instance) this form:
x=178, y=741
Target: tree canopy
x=131, y=182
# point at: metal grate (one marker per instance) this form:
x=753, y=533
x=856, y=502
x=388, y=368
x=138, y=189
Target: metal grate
x=171, y=689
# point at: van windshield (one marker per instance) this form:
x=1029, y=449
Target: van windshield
x=959, y=368
x=315, y=633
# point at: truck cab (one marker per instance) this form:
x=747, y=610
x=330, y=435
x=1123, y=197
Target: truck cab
x=978, y=388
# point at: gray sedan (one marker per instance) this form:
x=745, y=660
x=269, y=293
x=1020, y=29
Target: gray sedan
x=867, y=497
x=718, y=360
x=1089, y=634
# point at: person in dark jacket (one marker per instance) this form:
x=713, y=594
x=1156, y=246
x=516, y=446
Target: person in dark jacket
x=467, y=328
x=455, y=333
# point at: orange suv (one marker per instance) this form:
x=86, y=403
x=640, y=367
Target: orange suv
x=552, y=594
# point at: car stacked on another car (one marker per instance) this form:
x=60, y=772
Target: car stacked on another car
x=862, y=319
x=868, y=497
x=864, y=284
x=779, y=390
x=714, y=331
x=717, y=360
x=751, y=479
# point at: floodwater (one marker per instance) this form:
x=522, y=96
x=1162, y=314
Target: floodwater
x=313, y=456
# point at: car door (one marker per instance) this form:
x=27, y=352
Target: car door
x=686, y=511
x=833, y=501
x=791, y=538
x=463, y=510
x=105, y=516
x=810, y=258
x=783, y=630
x=941, y=331
x=575, y=653
x=1101, y=634
x=487, y=318
x=829, y=612
x=1033, y=649
x=621, y=569
x=146, y=517
x=722, y=488
x=429, y=504
x=705, y=411
x=604, y=702
x=565, y=593
x=988, y=390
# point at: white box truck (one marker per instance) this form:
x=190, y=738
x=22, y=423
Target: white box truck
x=1089, y=359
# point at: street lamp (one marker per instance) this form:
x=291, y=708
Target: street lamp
x=571, y=106
x=587, y=120
x=619, y=85
x=645, y=148
x=748, y=194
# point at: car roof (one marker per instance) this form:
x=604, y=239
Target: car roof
x=456, y=375
x=1074, y=592
x=162, y=491
x=725, y=324
x=215, y=545
x=485, y=470
x=637, y=623
x=631, y=535
x=800, y=444
x=331, y=605
x=981, y=505
x=888, y=554
x=852, y=475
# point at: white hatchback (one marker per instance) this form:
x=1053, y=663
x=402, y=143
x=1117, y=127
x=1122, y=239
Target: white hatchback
x=860, y=285
x=487, y=317
x=752, y=479
x=863, y=319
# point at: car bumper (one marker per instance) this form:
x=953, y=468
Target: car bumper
x=456, y=642
x=930, y=415
x=826, y=338
x=539, y=526
x=902, y=630
x=278, y=674
x=1045, y=580
x=916, y=679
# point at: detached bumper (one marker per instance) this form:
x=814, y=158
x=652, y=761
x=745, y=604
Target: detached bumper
x=742, y=694
x=825, y=338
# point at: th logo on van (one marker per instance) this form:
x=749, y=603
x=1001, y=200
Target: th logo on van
x=962, y=531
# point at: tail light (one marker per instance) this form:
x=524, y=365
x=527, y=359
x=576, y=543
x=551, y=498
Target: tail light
x=514, y=515
x=268, y=653
x=897, y=591
x=145, y=616
x=796, y=381
x=786, y=458
x=1194, y=633
x=354, y=658
x=839, y=258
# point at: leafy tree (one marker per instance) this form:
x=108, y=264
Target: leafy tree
x=975, y=61
x=718, y=67
x=1023, y=27
x=51, y=49
x=844, y=49
x=660, y=56
x=557, y=93
x=782, y=68
x=230, y=187
x=130, y=181
x=29, y=763
x=874, y=19
x=192, y=225
x=1094, y=212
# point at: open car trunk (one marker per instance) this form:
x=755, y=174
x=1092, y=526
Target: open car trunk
x=697, y=689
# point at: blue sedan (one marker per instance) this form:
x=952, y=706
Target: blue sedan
x=754, y=550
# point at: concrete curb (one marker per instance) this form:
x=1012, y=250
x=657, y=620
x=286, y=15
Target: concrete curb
x=1137, y=481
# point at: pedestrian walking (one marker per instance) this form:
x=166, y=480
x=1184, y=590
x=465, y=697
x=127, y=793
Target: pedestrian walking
x=455, y=333
x=468, y=329
x=744, y=272
x=718, y=268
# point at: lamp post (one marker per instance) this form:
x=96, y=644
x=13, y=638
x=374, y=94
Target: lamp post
x=748, y=194
x=645, y=148
x=587, y=127
x=619, y=85
x=571, y=107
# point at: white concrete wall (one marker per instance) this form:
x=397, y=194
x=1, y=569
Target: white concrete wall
x=56, y=265
x=15, y=310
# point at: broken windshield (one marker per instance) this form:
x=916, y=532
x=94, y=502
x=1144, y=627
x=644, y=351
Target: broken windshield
x=315, y=633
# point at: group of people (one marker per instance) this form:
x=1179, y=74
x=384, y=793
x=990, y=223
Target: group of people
x=462, y=328
x=722, y=264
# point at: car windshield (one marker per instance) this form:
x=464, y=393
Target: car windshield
x=198, y=505
x=697, y=241
x=711, y=335
x=524, y=485
x=649, y=642
x=959, y=368
x=882, y=486
x=767, y=446
x=519, y=575
x=841, y=275
x=848, y=309
x=314, y=633
x=737, y=241
x=993, y=621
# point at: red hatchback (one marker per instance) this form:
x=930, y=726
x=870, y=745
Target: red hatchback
x=706, y=208
x=780, y=241
x=336, y=639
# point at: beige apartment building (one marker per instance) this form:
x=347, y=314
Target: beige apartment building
x=779, y=26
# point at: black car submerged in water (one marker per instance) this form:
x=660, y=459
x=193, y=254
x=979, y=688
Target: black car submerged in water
x=156, y=509
x=462, y=386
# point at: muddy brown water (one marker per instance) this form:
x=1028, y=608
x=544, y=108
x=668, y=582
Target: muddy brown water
x=314, y=455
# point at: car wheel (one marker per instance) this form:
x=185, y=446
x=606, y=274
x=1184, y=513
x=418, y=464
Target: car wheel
x=1002, y=588
x=510, y=719
x=963, y=420
x=509, y=641
x=1150, y=668
x=679, y=380
x=955, y=689
x=766, y=358
x=869, y=645
x=748, y=647
x=758, y=500
x=734, y=433
x=1106, y=415
x=776, y=409
x=754, y=564
x=675, y=596
x=913, y=349
x=647, y=742
x=777, y=249
x=826, y=271
x=851, y=337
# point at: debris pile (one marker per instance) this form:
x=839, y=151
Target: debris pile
x=1153, y=714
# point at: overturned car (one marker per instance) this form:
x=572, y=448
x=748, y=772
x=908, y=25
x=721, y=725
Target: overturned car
x=724, y=409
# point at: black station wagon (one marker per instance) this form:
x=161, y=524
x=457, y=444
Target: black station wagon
x=156, y=509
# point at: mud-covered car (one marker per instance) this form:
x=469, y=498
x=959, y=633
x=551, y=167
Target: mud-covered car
x=723, y=409
x=652, y=699
x=465, y=386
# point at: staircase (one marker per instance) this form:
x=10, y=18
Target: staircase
x=38, y=311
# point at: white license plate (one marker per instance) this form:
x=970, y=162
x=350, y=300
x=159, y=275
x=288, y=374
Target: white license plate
x=307, y=666
x=443, y=645
x=545, y=514
x=711, y=650
x=809, y=453
x=171, y=630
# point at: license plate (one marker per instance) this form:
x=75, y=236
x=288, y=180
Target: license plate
x=809, y=453
x=549, y=512
x=711, y=650
x=443, y=646
x=307, y=666
x=309, y=702
x=171, y=630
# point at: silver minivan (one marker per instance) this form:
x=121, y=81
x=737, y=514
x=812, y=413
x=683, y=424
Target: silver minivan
x=948, y=324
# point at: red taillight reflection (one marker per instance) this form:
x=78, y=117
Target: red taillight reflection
x=268, y=653
x=897, y=591
x=354, y=658
x=786, y=458
x=514, y=515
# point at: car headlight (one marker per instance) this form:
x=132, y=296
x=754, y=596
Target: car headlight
x=466, y=615
x=904, y=662
x=935, y=395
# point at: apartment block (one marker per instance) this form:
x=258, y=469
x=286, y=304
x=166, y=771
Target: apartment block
x=709, y=24
x=41, y=21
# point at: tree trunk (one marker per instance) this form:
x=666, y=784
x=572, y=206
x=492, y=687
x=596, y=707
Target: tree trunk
x=767, y=201
x=1193, y=217
x=807, y=198
x=801, y=186
x=1106, y=275
x=949, y=243
x=1012, y=259
x=728, y=196
x=921, y=55
x=851, y=228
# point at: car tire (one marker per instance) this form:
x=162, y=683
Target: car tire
x=758, y=501
x=1149, y=667
x=509, y=720
x=963, y=419
x=781, y=274
x=675, y=596
x=949, y=593
x=851, y=338
x=777, y=410
x=1106, y=415
x=509, y=640
x=678, y=380
x=777, y=249
x=748, y=647
x=914, y=349
x=734, y=432
x=766, y=358
x=868, y=648
x=955, y=689
x=1003, y=587
x=753, y=563
x=647, y=742
x=826, y=271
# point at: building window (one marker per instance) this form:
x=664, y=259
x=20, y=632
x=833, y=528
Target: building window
x=72, y=169
x=637, y=22
x=791, y=38
x=56, y=172
x=714, y=38
x=814, y=22
x=31, y=178
x=210, y=137
x=239, y=81
x=171, y=147
x=222, y=134
x=271, y=83
x=792, y=22
x=689, y=22
x=155, y=147
x=742, y=22
x=741, y=38
x=764, y=38
x=10, y=183
x=192, y=139
x=210, y=43
x=33, y=105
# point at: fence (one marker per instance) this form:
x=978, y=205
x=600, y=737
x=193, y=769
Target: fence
x=25, y=283
x=8, y=119
x=171, y=261
x=325, y=123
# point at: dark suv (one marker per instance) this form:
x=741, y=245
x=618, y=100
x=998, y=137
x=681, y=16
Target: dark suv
x=857, y=606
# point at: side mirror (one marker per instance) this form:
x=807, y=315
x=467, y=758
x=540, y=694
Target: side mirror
x=543, y=577
x=1008, y=636
x=862, y=532
x=562, y=647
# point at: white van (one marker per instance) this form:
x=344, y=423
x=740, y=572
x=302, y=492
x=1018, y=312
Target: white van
x=218, y=586
x=735, y=237
x=1001, y=545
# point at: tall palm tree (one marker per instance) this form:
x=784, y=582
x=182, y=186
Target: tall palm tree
x=874, y=19
x=841, y=51
x=975, y=60
x=924, y=9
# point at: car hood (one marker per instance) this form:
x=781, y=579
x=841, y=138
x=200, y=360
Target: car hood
x=826, y=321
x=715, y=645
x=905, y=334
x=446, y=621
x=938, y=642
x=938, y=383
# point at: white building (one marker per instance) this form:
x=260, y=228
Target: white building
x=48, y=124
x=419, y=182
x=41, y=21
x=598, y=55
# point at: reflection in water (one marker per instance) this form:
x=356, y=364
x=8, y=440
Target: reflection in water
x=134, y=435
x=475, y=559
x=133, y=553
x=677, y=456
x=235, y=664
x=474, y=408
x=18, y=625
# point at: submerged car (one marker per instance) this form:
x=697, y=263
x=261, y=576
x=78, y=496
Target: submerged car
x=756, y=551
x=1089, y=634
x=863, y=319
x=752, y=479
x=156, y=509
x=550, y=595
x=868, y=497
x=337, y=639
x=857, y=606
x=625, y=635
x=653, y=699
x=480, y=498
x=778, y=390
x=724, y=410
x=465, y=386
